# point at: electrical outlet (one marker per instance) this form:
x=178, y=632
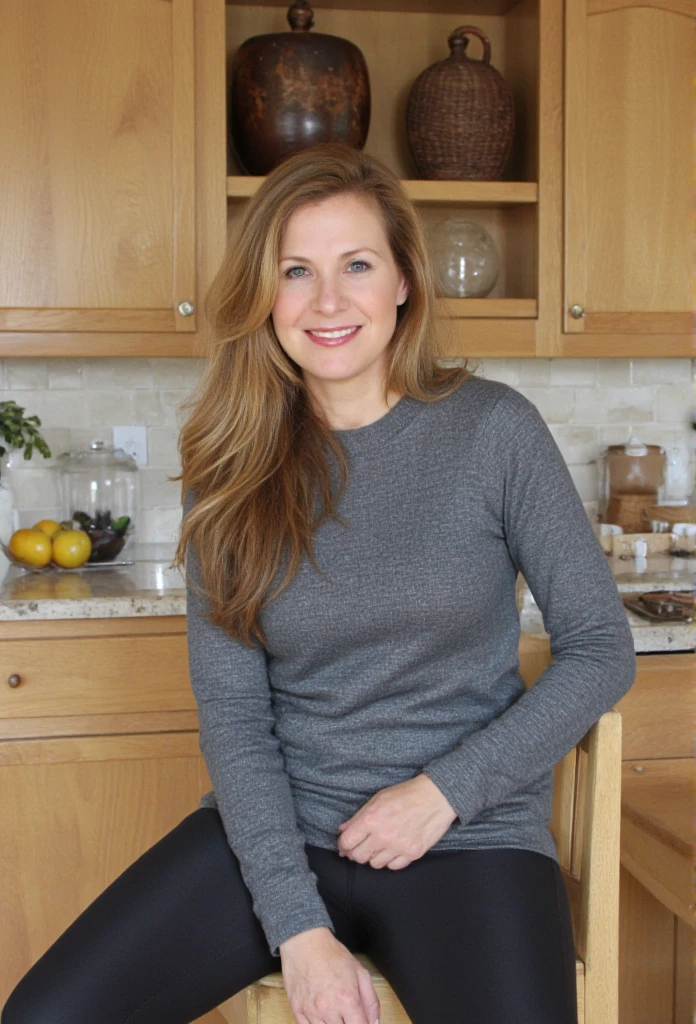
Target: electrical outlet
x=134, y=441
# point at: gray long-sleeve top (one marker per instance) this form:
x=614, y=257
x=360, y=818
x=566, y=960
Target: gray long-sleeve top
x=402, y=657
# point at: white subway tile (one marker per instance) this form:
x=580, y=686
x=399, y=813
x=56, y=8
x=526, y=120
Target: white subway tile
x=158, y=492
x=576, y=372
x=102, y=373
x=33, y=488
x=26, y=374
x=662, y=371
x=614, y=405
x=578, y=444
x=108, y=408
x=63, y=409
x=158, y=408
x=176, y=372
x=674, y=403
x=613, y=373
x=66, y=374
x=162, y=446
x=159, y=525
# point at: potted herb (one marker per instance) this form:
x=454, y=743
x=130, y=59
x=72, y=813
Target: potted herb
x=16, y=431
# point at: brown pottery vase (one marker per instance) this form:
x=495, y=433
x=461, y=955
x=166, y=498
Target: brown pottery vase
x=460, y=115
x=292, y=90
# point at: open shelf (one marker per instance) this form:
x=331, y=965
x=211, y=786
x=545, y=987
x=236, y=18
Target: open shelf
x=474, y=193
x=478, y=7
x=497, y=308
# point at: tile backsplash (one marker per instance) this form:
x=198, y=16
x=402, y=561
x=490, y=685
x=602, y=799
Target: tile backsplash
x=587, y=404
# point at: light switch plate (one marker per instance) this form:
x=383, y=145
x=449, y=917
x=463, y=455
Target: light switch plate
x=134, y=441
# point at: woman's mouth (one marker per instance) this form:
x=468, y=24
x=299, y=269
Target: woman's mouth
x=333, y=336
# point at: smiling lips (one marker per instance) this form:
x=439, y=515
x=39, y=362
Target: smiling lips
x=334, y=336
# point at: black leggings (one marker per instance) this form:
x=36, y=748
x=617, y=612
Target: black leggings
x=462, y=936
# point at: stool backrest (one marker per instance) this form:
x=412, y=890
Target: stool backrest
x=586, y=826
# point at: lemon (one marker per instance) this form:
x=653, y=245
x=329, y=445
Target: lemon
x=71, y=548
x=48, y=526
x=31, y=546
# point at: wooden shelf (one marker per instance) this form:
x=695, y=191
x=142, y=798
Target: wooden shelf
x=462, y=7
x=474, y=193
x=498, y=308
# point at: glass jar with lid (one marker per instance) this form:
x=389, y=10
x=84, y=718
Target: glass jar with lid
x=100, y=493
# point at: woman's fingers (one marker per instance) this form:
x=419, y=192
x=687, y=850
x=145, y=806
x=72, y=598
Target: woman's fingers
x=369, y=996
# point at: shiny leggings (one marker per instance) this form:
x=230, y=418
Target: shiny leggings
x=463, y=936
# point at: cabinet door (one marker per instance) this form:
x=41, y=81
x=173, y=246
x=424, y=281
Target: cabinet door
x=98, y=213
x=628, y=114
x=76, y=812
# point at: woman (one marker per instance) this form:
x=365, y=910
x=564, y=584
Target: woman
x=382, y=778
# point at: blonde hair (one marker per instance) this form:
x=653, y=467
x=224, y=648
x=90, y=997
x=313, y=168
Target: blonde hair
x=254, y=448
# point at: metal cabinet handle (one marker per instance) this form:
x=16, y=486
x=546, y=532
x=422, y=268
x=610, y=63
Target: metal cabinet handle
x=186, y=308
x=14, y=679
x=577, y=312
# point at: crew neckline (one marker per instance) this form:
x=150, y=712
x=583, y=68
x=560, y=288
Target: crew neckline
x=375, y=434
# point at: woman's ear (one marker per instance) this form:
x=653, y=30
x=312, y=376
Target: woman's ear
x=403, y=291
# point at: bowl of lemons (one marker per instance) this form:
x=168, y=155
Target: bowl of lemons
x=48, y=545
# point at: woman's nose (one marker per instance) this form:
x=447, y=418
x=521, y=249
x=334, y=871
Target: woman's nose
x=329, y=296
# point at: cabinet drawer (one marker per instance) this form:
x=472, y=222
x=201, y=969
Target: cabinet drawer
x=95, y=675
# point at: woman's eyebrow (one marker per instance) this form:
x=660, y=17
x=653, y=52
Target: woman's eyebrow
x=306, y=259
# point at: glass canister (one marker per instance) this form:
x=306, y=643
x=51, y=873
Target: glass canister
x=465, y=258
x=631, y=480
x=100, y=492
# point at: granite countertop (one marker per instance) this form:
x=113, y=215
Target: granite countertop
x=150, y=587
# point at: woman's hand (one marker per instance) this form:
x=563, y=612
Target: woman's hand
x=397, y=825
x=324, y=982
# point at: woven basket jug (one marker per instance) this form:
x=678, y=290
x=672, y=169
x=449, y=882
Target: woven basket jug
x=460, y=115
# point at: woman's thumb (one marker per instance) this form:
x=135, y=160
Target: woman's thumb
x=369, y=997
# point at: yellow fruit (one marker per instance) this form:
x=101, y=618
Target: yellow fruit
x=48, y=526
x=71, y=548
x=31, y=546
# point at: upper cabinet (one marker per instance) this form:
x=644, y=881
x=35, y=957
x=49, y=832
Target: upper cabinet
x=628, y=166
x=401, y=38
x=112, y=177
x=120, y=187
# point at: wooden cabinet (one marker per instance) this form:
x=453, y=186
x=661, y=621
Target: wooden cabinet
x=120, y=190
x=657, y=928
x=399, y=39
x=628, y=175
x=112, y=177
x=99, y=759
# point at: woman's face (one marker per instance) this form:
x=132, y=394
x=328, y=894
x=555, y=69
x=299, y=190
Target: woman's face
x=335, y=309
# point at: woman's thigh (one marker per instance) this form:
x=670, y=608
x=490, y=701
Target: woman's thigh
x=170, y=939
x=473, y=936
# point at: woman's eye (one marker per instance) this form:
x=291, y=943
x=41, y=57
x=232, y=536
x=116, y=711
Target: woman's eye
x=291, y=272
x=360, y=263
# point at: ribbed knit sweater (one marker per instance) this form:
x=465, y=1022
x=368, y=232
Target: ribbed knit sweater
x=401, y=656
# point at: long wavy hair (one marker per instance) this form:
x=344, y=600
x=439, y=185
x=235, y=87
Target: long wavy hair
x=255, y=450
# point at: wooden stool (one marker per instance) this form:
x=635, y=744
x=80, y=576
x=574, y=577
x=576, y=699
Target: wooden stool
x=586, y=824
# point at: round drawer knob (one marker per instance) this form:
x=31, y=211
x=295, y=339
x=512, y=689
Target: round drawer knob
x=14, y=679
x=577, y=312
x=186, y=308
